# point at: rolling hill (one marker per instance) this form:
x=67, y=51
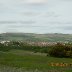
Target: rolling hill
x=36, y=37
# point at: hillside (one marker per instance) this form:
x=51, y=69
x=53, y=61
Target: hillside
x=36, y=37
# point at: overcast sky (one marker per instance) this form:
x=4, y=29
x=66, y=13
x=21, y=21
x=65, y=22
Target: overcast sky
x=36, y=16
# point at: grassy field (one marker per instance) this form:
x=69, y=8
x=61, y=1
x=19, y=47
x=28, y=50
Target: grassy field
x=26, y=61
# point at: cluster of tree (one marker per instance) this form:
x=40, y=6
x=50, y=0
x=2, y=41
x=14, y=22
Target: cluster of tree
x=57, y=50
x=61, y=50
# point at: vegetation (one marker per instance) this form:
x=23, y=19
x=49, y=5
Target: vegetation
x=36, y=37
x=23, y=61
x=20, y=56
x=60, y=50
x=56, y=50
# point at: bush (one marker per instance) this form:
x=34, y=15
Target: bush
x=60, y=50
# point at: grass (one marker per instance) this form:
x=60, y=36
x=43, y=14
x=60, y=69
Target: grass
x=26, y=60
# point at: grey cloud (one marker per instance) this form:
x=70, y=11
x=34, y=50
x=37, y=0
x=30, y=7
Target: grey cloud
x=56, y=16
x=68, y=28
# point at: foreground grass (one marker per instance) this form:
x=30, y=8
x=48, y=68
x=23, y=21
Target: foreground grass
x=29, y=61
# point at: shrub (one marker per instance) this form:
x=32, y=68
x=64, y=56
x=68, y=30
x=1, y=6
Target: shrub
x=60, y=50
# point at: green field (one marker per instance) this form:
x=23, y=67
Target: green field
x=26, y=61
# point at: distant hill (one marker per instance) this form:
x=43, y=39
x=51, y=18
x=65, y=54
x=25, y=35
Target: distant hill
x=36, y=37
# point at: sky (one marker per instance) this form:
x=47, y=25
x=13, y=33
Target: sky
x=36, y=16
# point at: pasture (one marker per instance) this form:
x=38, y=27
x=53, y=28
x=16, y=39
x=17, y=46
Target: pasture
x=28, y=61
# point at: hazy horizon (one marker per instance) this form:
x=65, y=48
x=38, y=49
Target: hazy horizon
x=36, y=16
